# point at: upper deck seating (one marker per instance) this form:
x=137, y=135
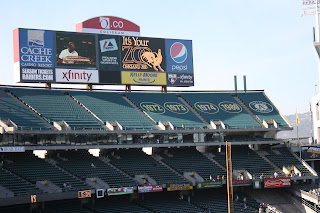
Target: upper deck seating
x=166, y=107
x=112, y=107
x=262, y=107
x=221, y=106
x=11, y=108
x=56, y=106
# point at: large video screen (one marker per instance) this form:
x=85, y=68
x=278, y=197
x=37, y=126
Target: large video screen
x=69, y=57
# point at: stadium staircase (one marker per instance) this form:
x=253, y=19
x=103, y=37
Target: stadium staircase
x=136, y=162
x=141, y=112
x=159, y=159
x=284, y=157
x=248, y=110
x=86, y=109
x=194, y=111
x=191, y=160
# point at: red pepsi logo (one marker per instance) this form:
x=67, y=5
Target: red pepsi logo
x=178, y=52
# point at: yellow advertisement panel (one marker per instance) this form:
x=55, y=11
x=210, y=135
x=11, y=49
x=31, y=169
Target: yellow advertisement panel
x=143, y=78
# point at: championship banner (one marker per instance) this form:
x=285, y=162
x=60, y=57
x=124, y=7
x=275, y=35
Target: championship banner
x=241, y=182
x=277, y=182
x=120, y=191
x=176, y=187
x=211, y=184
x=153, y=188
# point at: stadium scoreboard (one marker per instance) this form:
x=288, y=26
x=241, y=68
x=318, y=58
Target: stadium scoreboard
x=46, y=56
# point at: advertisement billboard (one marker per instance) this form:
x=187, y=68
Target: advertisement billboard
x=211, y=184
x=178, y=187
x=310, y=152
x=277, y=182
x=120, y=191
x=152, y=188
x=67, y=57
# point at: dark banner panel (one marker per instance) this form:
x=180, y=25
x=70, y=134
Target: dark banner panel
x=310, y=152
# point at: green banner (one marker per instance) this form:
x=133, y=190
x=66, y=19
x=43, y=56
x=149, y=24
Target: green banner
x=211, y=184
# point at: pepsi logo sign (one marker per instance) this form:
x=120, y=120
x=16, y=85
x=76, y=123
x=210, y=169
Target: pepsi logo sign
x=178, y=52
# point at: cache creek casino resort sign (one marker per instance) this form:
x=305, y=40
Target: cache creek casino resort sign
x=70, y=57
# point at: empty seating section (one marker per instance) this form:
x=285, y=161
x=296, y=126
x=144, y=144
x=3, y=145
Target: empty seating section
x=32, y=169
x=191, y=160
x=112, y=107
x=283, y=157
x=168, y=203
x=262, y=107
x=13, y=109
x=79, y=164
x=166, y=107
x=221, y=106
x=16, y=184
x=244, y=158
x=136, y=162
x=218, y=203
x=117, y=204
x=55, y=106
x=65, y=207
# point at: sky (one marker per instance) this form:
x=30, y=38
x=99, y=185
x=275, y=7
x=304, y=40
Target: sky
x=267, y=41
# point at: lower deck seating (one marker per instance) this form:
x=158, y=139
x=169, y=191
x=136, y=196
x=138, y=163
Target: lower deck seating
x=84, y=165
x=218, y=203
x=136, y=162
x=191, y=160
x=244, y=158
x=283, y=157
x=33, y=169
x=169, y=203
x=16, y=184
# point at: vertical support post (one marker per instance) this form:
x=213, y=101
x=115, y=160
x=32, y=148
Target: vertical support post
x=245, y=83
x=229, y=178
x=164, y=89
x=317, y=22
x=89, y=87
x=48, y=85
x=235, y=83
x=128, y=88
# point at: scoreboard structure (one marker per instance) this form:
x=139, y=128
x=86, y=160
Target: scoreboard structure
x=45, y=56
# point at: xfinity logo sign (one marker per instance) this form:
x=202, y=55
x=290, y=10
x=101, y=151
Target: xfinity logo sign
x=77, y=76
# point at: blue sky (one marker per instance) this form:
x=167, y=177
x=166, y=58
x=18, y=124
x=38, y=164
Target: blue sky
x=268, y=41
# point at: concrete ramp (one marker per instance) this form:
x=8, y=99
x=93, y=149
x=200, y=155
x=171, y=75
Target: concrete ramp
x=279, y=198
